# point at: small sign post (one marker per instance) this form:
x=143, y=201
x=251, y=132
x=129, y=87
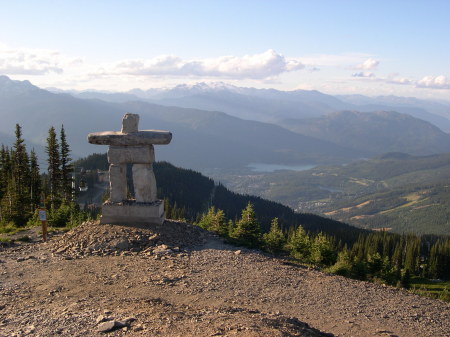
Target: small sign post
x=43, y=218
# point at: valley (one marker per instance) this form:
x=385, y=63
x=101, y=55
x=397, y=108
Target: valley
x=396, y=191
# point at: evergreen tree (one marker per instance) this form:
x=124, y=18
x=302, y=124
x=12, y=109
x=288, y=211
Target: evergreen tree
x=5, y=176
x=35, y=181
x=439, y=259
x=10, y=206
x=5, y=169
x=412, y=255
x=299, y=244
x=53, y=160
x=405, y=281
x=21, y=168
x=248, y=230
x=206, y=220
x=322, y=251
x=375, y=264
x=344, y=264
x=219, y=223
x=214, y=220
x=275, y=239
x=66, y=167
x=398, y=255
x=231, y=227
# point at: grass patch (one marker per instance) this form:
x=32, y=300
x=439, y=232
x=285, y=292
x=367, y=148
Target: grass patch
x=437, y=289
x=9, y=228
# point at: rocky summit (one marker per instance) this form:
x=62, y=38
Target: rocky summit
x=176, y=279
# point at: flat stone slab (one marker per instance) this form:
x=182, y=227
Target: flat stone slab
x=129, y=213
x=143, y=137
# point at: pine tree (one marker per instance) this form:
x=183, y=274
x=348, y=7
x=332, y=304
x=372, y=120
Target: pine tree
x=66, y=167
x=219, y=223
x=248, y=230
x=5, y=177
x=275, y=239
x=322, y=251
x=344, y=264
x=299, y=244
x=230, y=228
x=35, y=181
x=21, y=168
x=5, y=169
x=412, y=256
x=405, y=281
x=206, y=220
x=9, y=204
x=53, y=160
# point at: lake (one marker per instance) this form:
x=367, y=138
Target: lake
x=266, y=168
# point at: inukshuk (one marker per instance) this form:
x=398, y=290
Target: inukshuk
x=131, y=146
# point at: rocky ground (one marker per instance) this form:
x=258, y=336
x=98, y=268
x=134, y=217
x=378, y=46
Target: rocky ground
x=178, y=280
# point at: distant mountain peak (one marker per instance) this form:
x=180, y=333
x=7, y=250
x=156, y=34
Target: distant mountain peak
x=13, y=87
x=204, y=87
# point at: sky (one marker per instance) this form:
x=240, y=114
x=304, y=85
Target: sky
x=337, y=47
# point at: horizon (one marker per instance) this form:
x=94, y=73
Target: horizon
x=168, y=88
x=377, y=49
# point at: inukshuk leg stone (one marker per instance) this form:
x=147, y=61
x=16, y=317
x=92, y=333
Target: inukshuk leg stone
x=117, y=182
x=131, y=146
x=144, y=183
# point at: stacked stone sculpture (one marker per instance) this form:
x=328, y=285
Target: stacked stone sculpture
x=131, y=146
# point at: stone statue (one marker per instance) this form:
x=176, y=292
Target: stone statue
x=131, y=146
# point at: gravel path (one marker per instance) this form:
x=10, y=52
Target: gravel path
x=178, y=280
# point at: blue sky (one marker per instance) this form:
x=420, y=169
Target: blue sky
x=338, y=47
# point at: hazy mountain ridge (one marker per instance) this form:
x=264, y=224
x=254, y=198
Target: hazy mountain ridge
x=441, y=108
x=435, y=112
x=209, y=139
x=201, y=138
x=376, y=132
x=270, y=105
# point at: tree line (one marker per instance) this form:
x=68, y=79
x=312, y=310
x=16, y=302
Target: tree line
x=378, y=256
x=23, y=188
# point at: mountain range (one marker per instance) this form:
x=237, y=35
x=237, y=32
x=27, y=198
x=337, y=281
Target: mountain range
x=201, y=138
x=239, y=126
x=376, y=132
x=270, y=105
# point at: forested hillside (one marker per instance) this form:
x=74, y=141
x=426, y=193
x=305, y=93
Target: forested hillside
x=268, y=225
x=190, y=194
x=394, y=191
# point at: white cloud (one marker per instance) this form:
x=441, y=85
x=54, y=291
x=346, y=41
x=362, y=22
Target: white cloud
x=365, y=74
x=429, y=82
x=434, y=82
x=369, y=64
x=258, y=66
x=30, y=61
x=50, y=68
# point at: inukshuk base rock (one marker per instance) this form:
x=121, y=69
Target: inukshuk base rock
x=131, y=146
